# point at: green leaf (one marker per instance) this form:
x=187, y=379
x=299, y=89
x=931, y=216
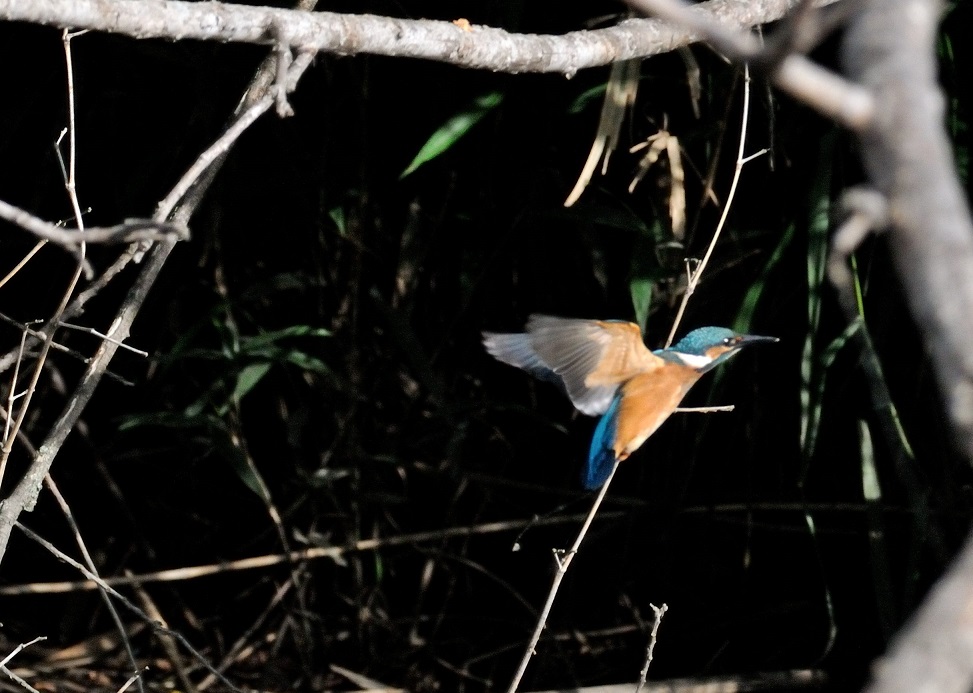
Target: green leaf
x=870, y=485
x=744, y=316
x=828, y=601
x=196, y=409
x=878, y=544
x=641, y=291
x=337, y=215
x=817, y=253
x=812, y=413
x=453, y=129
x=248, y=378
x=307, y=362
x=244, y=469
x=164, y=419
x=645, y=270
x=588, y=97
x=267, y=338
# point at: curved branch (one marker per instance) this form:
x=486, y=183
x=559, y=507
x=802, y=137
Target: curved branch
x=890, y=48
x=830, y=94
x=346, y=34
x=129, y=231
x=910, y=161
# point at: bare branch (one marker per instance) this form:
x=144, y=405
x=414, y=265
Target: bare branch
x=127, y=232
x=830, y=94
x=563, y=560
x=24, y=495
x=890, y=48
x=346, y=34
x=89, y=562
x=156, y=626
x=909, y=160
x=697, y=271
x=311, y=554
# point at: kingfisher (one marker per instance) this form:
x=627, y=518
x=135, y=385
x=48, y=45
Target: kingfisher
x=604, y=367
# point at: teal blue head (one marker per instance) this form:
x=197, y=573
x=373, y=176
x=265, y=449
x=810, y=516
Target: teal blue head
x=708, y=347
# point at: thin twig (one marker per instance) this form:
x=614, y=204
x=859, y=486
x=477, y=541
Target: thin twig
x=36, y=336
x=127, y=232
x=169, y=644
x=330, y=552
x=706, y=410
x=12, y=396
x=238, y=647
x=563, y=560
x=70, y=186
x=20, y=265
x=79, y=540
x=131, y=680
x=659, y=612
x=33, y=536
x=697, y=271
x=212, y=154
x=76, y=307
x=24, y=495
x=6, y=660
x=103, y=337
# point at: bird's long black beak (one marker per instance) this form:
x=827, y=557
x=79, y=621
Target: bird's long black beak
x=754, y=338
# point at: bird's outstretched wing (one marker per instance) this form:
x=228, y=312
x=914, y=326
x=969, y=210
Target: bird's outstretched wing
x=588, y=358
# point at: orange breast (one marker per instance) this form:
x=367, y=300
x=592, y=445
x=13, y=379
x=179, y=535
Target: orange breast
x=647, y=400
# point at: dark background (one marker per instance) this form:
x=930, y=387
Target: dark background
x=399, y=422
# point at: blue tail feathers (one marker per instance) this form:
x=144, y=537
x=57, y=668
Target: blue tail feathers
x=601, y=457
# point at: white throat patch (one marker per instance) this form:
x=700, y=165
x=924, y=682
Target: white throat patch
x=694, y=361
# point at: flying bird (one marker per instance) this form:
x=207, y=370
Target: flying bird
x=605, y=369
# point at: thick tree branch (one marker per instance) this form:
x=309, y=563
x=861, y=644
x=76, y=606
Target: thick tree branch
x=830, y=94
x=890, y=49
x=344, y=34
